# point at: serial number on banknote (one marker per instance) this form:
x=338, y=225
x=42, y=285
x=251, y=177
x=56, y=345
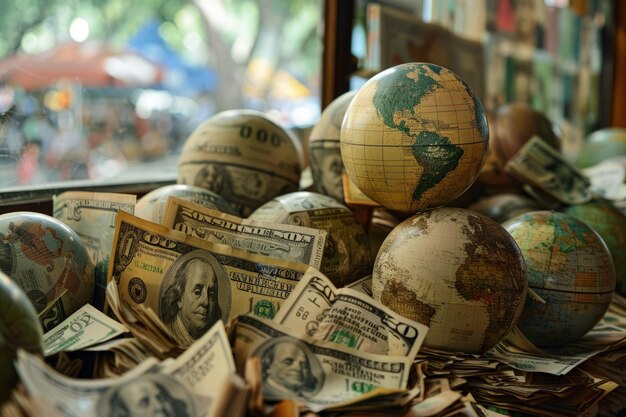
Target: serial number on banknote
x=148, y=267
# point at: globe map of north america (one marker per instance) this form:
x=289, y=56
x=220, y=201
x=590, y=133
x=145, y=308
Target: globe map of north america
x=414, y=136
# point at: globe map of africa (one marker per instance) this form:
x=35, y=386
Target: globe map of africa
x=414, y=136
x=570, y=268
x=456, y=271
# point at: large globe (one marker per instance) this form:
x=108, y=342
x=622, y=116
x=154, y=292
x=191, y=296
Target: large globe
x=610, y=223
x=414, y=136
x=347, y=256
x=601, y=145
x=570, y=268
x=324, y=151
x=19, y=328
x=456, y=271
x=152, y=205
x=49, y=262
x=510, y=127
x=244, y=156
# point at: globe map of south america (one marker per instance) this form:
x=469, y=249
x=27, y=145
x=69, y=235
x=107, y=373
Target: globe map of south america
x=415, y=136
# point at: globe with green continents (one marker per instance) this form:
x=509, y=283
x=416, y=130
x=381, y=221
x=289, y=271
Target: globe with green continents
x=610, y=223
x=570, y=268
x=456, y=271
x=19, y=328
x=415, y=136
x=49, y=262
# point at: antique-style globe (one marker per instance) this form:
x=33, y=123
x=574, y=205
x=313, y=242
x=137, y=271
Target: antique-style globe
x=414, y=136
x=244, y=156
x=324, y=151
x=610, y=223
x=570, y=268
x=456, y=271
x=19, y=328
x=49, y=262
x=347, y=256
x=152, y=205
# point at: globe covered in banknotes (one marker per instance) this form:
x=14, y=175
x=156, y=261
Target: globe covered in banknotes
x=569, y=269
x=152, y=205
x=610, y=223
x=49, y=262
x=324, y=151
x=414, y=136
x=244, y=156
x=19, y=328
x=456, y=271
x=347, y=256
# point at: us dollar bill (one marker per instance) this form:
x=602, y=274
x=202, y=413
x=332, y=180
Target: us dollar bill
x=292, y=243
x=541, y=166
x=92, y=217
x=348, y=317
x=191, y=283
x=177, y=388
x=87, y=327
x=316, y=374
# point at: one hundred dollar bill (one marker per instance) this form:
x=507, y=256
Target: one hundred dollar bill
x=347, y=317
x=92, y=217
x=541, y=166
x=177, y=388
x=316, y=374
x=191, y=283
x=292, y=243
x=86, y=327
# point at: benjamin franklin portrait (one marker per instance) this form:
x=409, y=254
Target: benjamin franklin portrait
x=154, y=395
x=289, y=369
x=194, y=295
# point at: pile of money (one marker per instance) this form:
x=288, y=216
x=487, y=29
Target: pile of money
x=210, y=314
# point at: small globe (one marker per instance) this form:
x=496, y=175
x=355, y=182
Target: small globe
x=601, y=145
x=610, y=223
x=243, y=156
x=456, y=271
x=152, y=205
x=414, y=136
x=49, y=262
x=504, y=206
x=570, y=268
x=510, y=127
x=347, y=255
x=324, y=150
x=19, y=328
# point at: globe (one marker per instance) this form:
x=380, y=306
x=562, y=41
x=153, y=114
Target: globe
x=456, y=271
x=570, y=268
x=19, y=328
x=324, y=150
x=49, y=262
x=152, y=205
x=601, y=145
x=504, y=206
x=414, y=136
x=610, y=223
x=510, y=127
x=347, y=255
x=243, y=156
